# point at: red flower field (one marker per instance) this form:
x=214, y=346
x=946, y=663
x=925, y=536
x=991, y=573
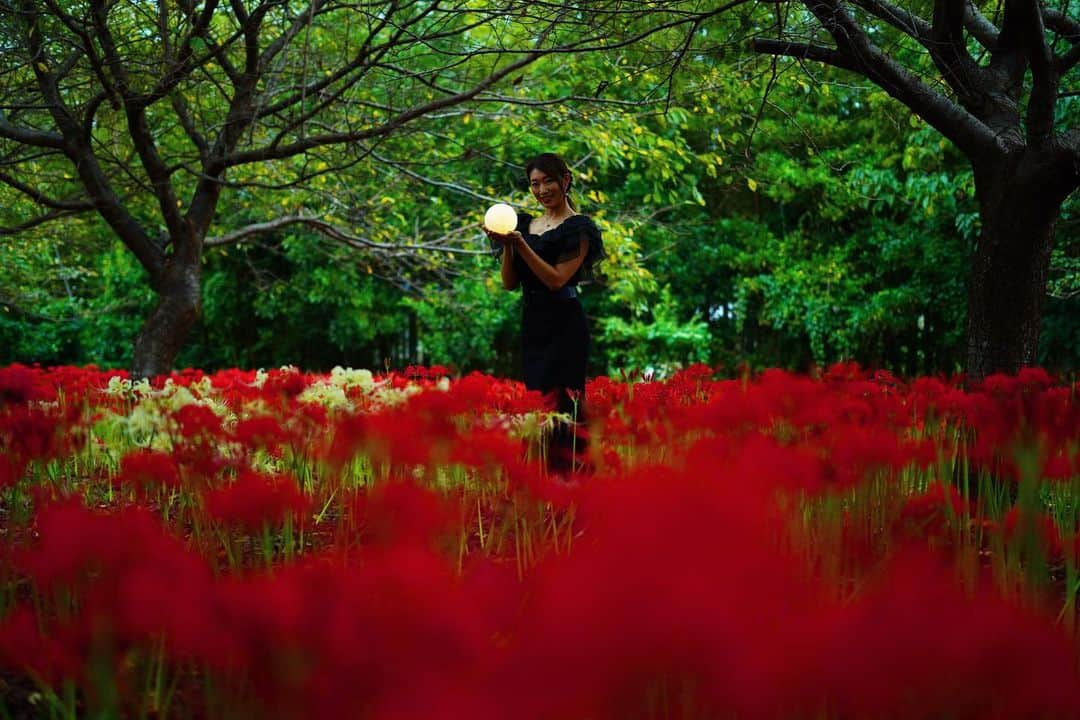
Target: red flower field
x=288, y=545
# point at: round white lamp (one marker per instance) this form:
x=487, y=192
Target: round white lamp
x=500, y=218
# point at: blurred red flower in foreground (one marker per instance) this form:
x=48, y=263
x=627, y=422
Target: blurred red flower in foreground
x=255, y=499
x=765, y=547
x=148, y=468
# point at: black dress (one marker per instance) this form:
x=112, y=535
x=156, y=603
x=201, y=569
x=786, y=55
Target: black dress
x=554, y=334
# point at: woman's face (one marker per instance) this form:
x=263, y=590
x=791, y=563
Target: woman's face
x=547, y=189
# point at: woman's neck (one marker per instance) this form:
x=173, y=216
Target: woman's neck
x=560, y=213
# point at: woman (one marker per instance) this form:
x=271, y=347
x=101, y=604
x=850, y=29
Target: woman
x=547, y=256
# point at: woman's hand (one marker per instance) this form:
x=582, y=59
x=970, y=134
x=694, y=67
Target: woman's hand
x=511, y=239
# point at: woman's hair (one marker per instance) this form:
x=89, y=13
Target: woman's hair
x=552, y=165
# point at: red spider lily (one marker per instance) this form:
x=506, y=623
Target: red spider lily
x=173, y=598
x=255, y=499
x=20, y=384
x=145, y=468
x=1019, y=523
x=199, y=460
x=475, y=391
x=843, y=371
x=761, y=462
x=345, y=438
x=263, y=431
x=392, y=637
x=407, y=438
x=400, y=512
x=915, y=645
x=603, y=394
x=24, y=648
x=676, y=578
x=1055, y=416
x=856, y=452
x=1027, y=380
x=33, y=433
x=933, y=514
x=284, y=384
x=1059, y=467
x=11, y=470
x=434, y=372
x=669, y=579
x=486, y=449
x=197, y=421
x=76, y=545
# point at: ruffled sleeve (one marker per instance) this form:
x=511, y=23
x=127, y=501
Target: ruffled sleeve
x=579, y=230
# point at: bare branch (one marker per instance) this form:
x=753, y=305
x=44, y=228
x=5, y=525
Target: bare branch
x=29, y=136
x=963, y=128
x=335, y=233
x=36, y=221
x=1068, y=28
x=44, y=200
x=455, y=187
x=403, y=118
x=803, y=51
x=979, y=26
x=1044, y=75
x=366, y=56
x=78, y=151
x=183, y=114
x=1068, y=61
x=949, y=50
x=903, y=20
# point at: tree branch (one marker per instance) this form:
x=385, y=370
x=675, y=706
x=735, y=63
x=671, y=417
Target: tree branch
x=903, y=20
x=46, y=79
x=1044, y=75
x=963, y=128
x=1065, y=63
x=949, y=51
x=446, y=185
x=139, y=128
x=803, y=51
x=335, y=233
x=36, y=221
x=979, y=26
x=77, y=148
x=44, y=200
x=182, y=65
x=295, y=148
x=1068, y=28
x=78, y=29
x=28, y=136
x=183, y=114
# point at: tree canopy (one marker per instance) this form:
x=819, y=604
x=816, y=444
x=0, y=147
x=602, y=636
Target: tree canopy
x=756, y=211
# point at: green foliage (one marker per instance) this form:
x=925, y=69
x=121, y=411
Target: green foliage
x=655, y=339
x=472, y=324
x=63, y=302
x=863, y=246
x=826, y=224
x=295, y=299
x=1060, y=337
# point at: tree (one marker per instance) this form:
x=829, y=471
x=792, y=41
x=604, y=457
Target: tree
x=995, y=87
x=146, y=113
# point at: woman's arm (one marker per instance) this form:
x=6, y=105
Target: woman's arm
x=553, y=276
x=510, y=279
x=509, y=275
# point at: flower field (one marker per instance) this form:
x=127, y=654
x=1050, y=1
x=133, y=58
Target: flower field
x=288, y=545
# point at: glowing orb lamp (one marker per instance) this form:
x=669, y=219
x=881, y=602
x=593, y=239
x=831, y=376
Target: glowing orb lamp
x=500, y=218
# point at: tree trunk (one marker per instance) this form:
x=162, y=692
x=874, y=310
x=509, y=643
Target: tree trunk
x=1019, y=204
x=178, y=307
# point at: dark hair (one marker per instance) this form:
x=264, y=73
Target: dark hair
x=552, y=165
